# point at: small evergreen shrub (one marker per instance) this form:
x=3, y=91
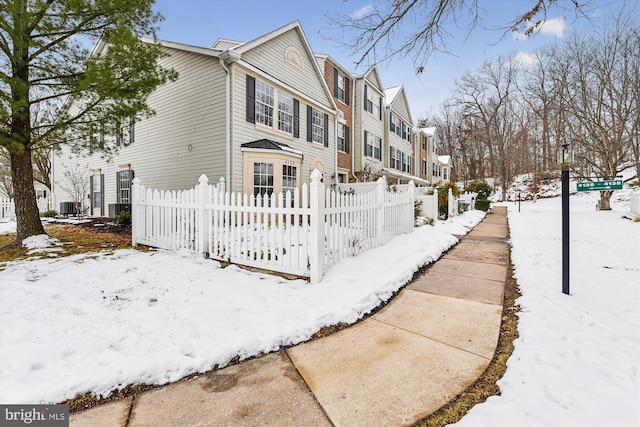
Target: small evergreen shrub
x=481, y=187
x=483, y=205
x=123, y=218
x=51, y=213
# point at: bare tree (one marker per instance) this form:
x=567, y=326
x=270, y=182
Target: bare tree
x=487, y=96
x=76, y=185
x=429, y=22
x=602, y=100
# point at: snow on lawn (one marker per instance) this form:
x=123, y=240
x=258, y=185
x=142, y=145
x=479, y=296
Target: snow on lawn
x=577, y=361
x=97, y=322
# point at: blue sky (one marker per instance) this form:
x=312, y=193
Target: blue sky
x=201, y=22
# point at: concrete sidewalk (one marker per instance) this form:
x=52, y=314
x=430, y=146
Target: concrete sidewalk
x=403, y=363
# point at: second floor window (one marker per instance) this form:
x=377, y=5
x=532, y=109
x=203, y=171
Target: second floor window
x=285, y=112
x=264, y=103
x=317, y=122
x=372, y=145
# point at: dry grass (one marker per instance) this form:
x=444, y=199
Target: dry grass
x=485, y=386
x=75, y=240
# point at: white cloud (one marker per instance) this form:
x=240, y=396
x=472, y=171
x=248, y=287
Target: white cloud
x=362, y=11
x=554, y=27
x=524, y=60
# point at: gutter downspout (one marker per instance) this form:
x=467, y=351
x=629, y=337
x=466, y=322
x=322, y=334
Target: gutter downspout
x=227, y=116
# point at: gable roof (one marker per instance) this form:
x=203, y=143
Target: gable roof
x=372, y=76
x=336, y=64
x=295, y=26
x=396, y=99
x=223, y=44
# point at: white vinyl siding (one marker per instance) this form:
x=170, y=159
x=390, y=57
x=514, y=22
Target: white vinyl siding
x=184, y=139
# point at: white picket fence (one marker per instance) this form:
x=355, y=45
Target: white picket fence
x=8, y=207
x=301, y=233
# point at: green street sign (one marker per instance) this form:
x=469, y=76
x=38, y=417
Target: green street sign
x=612, y=184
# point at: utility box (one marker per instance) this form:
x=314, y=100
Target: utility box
x=68, y=208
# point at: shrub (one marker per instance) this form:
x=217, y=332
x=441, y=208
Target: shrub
x=123, y=218
x=417, y=208
x=481, y=187
x=483, y=205
x=49, y=214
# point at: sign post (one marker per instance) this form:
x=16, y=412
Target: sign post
x=565, y=158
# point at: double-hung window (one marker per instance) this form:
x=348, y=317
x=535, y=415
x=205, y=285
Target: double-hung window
x=343, y=138
x=317, y=123
x=285, y=112
x=372, y=145
x=264, y=103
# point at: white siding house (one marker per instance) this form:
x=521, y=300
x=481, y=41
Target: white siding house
x=399, y=147
x=258, y=114
x=368, y=123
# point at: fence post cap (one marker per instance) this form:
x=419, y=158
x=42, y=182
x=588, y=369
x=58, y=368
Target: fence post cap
x=382, y=180
x=203, y=179
x=316, y=175
x=220, y=180
x=136, y=181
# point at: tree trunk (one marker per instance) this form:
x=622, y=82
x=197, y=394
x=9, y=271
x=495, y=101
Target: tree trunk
x=27, y=215
x=605, y=200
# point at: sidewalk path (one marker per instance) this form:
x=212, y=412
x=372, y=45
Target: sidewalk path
x=394, y=368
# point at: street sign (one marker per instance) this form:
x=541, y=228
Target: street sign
x=612, y=184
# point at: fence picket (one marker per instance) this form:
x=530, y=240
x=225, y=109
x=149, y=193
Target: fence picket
x=303, y=232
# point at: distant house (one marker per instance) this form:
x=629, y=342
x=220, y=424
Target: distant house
x=368, y=135
x=340, y=81
x=427, y=148
x=399, y=143
x=260, y=114
x=445, y=162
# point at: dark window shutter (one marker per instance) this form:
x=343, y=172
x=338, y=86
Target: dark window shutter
x=309, y=123
x=296, y=118
x=326, y=130
x=380, y=109
x=366, y=135
x=404, y=131
x=118, y=187
x=91, y=193
x=365, y=98
x=251, y=99
x=102, y=209
x=335, y=82
x=347, y=83
x=346, y=139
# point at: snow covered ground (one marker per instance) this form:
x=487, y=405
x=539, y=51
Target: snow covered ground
x=577, y=361
x=96, y=322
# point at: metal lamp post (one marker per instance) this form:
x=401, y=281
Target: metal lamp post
x=565, y=158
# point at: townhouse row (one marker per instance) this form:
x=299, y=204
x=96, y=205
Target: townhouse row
x=263, y=115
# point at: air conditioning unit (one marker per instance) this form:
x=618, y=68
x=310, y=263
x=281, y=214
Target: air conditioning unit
x=68, y=208
x=116, y=208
